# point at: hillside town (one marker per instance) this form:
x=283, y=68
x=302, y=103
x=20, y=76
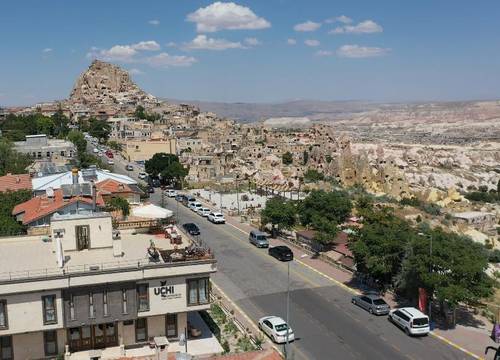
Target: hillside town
x=92, y=200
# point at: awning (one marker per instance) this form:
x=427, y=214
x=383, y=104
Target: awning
x=151, y=211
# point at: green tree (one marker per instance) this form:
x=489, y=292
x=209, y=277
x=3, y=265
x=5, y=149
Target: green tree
x=61, y=124
x=8, y=200
x=167, y=166
x=280, y=213
x=78, y=139
x=114, y=145
x=305, y=157
x=333, y=206
x=11, y=161
x=498, y=187
x=173, y=173
x=99, y=129
x=287, y=158
x=313, y=175
x=118, y=203
x=140, y=112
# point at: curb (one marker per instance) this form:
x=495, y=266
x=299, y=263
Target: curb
x=456, y=346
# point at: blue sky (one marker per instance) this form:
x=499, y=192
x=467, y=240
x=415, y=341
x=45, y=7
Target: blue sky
x=256, y=51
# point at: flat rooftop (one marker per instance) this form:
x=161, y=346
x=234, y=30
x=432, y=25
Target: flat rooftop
x=29, y=257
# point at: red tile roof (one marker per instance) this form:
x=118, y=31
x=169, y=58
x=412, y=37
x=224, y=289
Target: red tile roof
x=15, y=182
x=41, y=206
x=111, y=186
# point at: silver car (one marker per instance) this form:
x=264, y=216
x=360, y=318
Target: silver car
x=374, y=304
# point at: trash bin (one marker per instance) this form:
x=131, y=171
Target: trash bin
x=496, y=333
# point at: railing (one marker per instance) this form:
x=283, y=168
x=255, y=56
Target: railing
x=96, y=268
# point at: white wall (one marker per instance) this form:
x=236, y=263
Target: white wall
x=30, y=345
x=156, y=325
x=101, y=232
x=25, y=312
x=127, y=333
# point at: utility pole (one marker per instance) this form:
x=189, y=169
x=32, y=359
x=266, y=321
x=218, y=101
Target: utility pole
x=429, y=236
x=287, y=312
x=238, y=194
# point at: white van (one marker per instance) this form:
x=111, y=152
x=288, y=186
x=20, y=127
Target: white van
x=411, y=320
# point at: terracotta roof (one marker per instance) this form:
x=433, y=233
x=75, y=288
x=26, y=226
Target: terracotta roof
x=15, y=182
x=41, y=206
x=111, y=186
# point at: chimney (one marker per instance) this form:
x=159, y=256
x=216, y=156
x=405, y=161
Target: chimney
x=74, y=174
x=94, y=196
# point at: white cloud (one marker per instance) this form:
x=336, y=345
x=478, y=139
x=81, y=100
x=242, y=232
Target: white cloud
x=324, y=53
x=312, y=42
x=154, y=22
x=356, y=51
x=171, y=44
x=251, y=41
x=291, y=41
x=307, y=26
x=146, y=45
x=230, y=16
x=123, y=53
x=202, y=42
x=135, y=71
x=47, y=50
x=342, y=18
x=164, y=60
x=364, y=27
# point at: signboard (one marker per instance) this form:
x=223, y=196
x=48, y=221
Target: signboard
x=166, y=292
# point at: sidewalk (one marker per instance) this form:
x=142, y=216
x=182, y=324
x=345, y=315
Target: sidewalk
x=472, y=337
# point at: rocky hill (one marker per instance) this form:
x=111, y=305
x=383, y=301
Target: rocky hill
x=107, y=84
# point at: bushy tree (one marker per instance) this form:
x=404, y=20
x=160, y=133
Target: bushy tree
x=8, y=200
x=78, y=139
x=118, y=203
x=279, y=212
x=287, y=158
x=99, y=129
x=333, y=206
x=10, y=160
x=313, y=175
x=167, y=166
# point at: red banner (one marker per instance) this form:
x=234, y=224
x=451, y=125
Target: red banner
x=422, y=300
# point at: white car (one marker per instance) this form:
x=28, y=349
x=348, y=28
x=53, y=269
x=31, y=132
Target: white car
x=411, y=320
x=143, y=175
x=96, y=150
x=170, y=193
x=276, y=328
x=111, y=162
x=195, y=205
x=203, y=211
x=216, y=218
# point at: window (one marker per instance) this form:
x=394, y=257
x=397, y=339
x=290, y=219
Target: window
x=142, y=297
x=124, y=301
x=91, y=306
x=6, y=352
x=171, y=322
x=71, y=307
x=50, y=342
x=4, y=324
x=198, y=291
x=49, y=309
x=141, y=329
x=105, y=303
x=82, y=237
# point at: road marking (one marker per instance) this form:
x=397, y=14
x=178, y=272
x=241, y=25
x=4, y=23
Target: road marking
x=456, y=346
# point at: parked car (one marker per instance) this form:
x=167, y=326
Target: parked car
x=203, y=211
x=96, y=150
x=155, y=183
x=258, y=238
x=374, y=304
x=216, y=218
x=151, y=190
x=191, y=228
x=170, y=193
x=179, y=197
x=276, y=328
x=195, y=205
x=109, y=154
x=411, y=320
x=282, y=253
x=188, y=199
x=142, y=175
x=111, y=162
x=129, y=167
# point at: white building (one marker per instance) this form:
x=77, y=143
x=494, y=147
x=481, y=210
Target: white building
x=88, y=287
x=40, y=147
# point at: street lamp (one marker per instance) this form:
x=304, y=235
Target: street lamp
x=429, y=236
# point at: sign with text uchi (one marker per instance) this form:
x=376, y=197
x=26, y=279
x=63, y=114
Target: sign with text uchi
x=166, y=292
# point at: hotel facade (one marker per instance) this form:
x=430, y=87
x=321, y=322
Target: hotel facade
x=89, y=287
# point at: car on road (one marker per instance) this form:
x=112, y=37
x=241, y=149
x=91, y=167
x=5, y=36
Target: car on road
x=151, y=190
x=142, y=175
x=216, y=217
x=155, y=183
x=374, y=304
x=188, y=199
x=100, y=154
x=111, y=162
x=96, y=150
x=281, y=252
x=411, y=320
x=195, y=205
x=277, y=329
x=203, y=211
x=179, y=197
x=258, y=238
x=191, y=228
x=170, y=193
x=109, y=154
x=129, y=167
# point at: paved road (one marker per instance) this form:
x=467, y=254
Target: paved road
x=326, y=324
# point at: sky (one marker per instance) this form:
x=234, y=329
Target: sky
x=256, y=50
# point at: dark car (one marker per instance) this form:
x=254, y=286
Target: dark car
x=191, y=228
x=374, y=304
x=151, y=189
x=129, y=167
x=179, y=197
x=155, y=183
x=282, y=253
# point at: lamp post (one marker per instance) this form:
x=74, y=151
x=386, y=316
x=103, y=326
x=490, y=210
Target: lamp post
x=429, y=236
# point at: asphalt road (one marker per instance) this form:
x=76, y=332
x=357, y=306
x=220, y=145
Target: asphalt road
x=326, y=324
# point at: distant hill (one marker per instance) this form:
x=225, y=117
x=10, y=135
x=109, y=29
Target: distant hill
x=314, y=110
